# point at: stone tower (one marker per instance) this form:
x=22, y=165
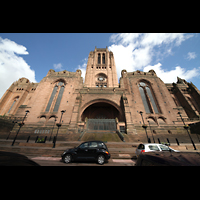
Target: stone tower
x=101, y=69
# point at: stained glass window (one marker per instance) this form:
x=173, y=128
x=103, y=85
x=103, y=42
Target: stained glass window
x=144, y=99
x=51, y=99
x=60, y=89
x=12, y=105
x=147, y=96
x=152, y=99
x=58, y=99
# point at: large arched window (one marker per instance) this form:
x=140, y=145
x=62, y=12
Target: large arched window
x=147, y=98
x=56, y=95
x=14, y=101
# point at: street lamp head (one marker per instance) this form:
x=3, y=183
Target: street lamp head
x=63, y=111
x=27, y=111
x=179, y=113
x=140, y=112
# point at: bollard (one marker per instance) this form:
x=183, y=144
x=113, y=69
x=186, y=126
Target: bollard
x=158, y=140
x=45, y=139
x=28, y=139
x=54, y=140
x=177, y=141
x=168, y=141
x=36, y=139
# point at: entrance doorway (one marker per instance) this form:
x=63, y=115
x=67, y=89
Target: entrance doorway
x=101, y=110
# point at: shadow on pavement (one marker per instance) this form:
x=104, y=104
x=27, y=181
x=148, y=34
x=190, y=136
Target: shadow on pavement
x=15, y=159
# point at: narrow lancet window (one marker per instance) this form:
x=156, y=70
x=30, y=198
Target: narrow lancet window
x=152, y=99
x=99, y=58
x=12, y=105
x=59, y=88
x=58, y=99
x=103, y=58
x=51, y=99
x=144, y=100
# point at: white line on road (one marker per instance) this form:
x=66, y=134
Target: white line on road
x=123, y=160
x=46, y=158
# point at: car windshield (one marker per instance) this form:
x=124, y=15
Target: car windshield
x=164, y=148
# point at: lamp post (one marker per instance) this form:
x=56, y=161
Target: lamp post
x=151, y=131
x=58, y=125
x=52, y=129
x=187, y=131
x=145, y=127
x=20, y=125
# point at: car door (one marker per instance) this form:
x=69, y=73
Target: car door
x=92, y=150
x=82, y=151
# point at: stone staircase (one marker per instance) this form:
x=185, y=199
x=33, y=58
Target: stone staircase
x=105, y=136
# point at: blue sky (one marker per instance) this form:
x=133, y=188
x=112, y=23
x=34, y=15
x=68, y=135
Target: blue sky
x=31, y=55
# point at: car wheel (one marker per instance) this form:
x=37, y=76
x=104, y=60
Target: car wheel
x=101, y=159
x=67, y=158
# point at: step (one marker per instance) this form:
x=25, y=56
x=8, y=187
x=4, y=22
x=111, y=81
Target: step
x=105, y=137
x=36, y=144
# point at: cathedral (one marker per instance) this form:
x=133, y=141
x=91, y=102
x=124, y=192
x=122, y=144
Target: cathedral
x=138, y=106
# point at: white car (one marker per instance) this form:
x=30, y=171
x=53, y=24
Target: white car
x=148, y=147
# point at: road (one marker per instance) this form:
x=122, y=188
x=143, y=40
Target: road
x=55, y=161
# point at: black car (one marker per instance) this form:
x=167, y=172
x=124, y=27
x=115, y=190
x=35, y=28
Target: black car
x=92, y=150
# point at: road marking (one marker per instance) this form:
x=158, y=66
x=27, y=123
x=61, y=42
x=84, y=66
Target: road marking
x=124, y=155
x=123, y=160
x=46, y=158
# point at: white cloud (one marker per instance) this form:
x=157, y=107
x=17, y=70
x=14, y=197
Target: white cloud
x=83, y=68
x=58, y=66
x=12, y=66
x=191, y=55
x=171, y=76
x=123, y=58
x=11, y=47
x=135, y=51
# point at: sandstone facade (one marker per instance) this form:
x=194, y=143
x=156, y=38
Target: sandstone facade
x=101, y=96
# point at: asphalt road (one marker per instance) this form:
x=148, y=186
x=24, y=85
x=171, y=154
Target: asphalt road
x=55, y=161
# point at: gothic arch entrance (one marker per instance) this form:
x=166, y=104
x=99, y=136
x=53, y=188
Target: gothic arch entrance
x=102, y=116
x=101, y=110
